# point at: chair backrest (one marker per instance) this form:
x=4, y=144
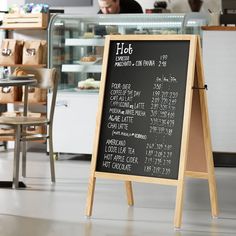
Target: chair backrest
x=47, y=79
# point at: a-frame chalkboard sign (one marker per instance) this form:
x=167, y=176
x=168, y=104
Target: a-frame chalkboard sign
x=152, y=123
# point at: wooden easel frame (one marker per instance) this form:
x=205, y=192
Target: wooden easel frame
x=195, y=125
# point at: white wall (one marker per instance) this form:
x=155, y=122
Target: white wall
x=84, y=10
x=78, y=10
x=173, y=5
x=3, y=5
x=182, y=5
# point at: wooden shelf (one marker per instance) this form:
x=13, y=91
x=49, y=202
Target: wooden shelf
x=6, y=139
x=38, y=23
x=24, y=65
x=11, y=138
x=23, y=28
x=219, y=28
x=27, y=21
x=22, y=103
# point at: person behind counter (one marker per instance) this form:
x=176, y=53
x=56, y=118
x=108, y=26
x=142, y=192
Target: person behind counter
x=119, y=6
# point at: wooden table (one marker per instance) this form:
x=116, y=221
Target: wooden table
x=26, y=82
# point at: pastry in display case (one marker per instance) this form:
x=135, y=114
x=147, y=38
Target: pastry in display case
x=89, y=84
x=75, y=40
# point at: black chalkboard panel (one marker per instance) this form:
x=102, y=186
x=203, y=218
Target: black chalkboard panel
x=142, y=115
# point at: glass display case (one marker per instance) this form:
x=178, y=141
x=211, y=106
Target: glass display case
x=76, y=42
x=76, y=50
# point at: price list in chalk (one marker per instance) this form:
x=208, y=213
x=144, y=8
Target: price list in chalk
x=159, y=155
x=124, y=108
x=143, y=110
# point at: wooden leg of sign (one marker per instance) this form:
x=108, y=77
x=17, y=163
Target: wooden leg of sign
x=213, y=196
x=129, y=192
x=206, y=132
x=179, y=204
x=212, y=185
x=90, y=196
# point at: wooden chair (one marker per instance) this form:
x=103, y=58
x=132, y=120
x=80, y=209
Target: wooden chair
x=46, y=79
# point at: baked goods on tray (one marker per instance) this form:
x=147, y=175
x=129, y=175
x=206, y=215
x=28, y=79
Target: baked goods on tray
x=88, y=35
x=89, y=83
x=88, y=59
x=19, y=72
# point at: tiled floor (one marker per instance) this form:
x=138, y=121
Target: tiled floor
x=44, y=209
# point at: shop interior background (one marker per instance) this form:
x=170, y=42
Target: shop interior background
x=176, y=6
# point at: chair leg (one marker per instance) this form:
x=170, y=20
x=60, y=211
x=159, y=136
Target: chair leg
x=24, y=159
x=5, y=145
x=16, y=157
x=52, y=167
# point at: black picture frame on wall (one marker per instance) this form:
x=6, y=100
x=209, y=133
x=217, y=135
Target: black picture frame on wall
x=62, y=3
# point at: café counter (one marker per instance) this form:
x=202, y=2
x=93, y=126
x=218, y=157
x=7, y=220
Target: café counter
x=219, y=59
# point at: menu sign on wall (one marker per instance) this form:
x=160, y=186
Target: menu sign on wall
x=143, y=108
